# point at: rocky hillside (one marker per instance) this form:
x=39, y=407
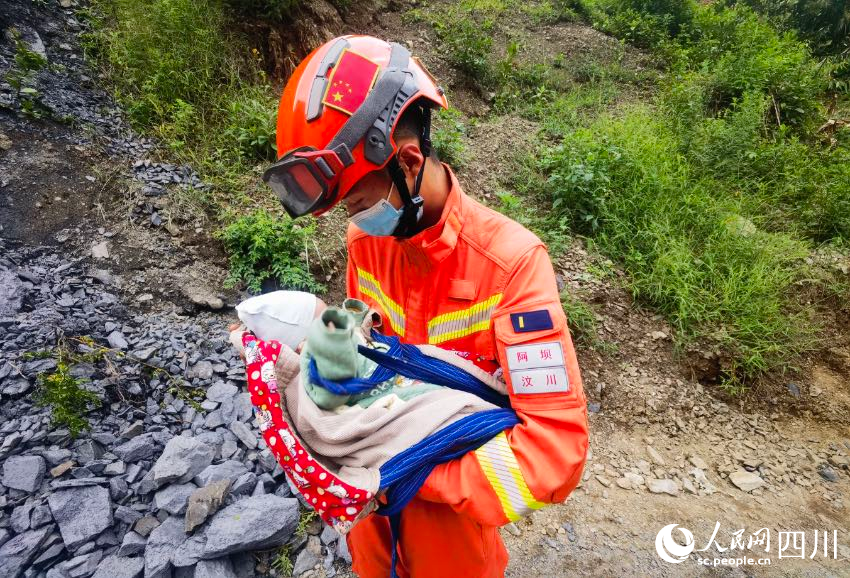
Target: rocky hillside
x=101, y=293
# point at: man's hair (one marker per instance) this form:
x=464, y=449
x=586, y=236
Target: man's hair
x=410, y=125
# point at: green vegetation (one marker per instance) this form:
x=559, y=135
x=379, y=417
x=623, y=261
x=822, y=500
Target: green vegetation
x=712, y=193
x=823, y=24
x=185, y=74
x=267, y=246
x=63, y=393
x=180, y=75
x=447, y=134
x=26, y=61
x=688, y=250
x=27, y=64
x=581, y=319
x=467, y=43
x=68, y=402
x=711, y=198
x=282, y=561
x=307, y=516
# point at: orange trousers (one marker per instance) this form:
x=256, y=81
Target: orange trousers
x=435, y=542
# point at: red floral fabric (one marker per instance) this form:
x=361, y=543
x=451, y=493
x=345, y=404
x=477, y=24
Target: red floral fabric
x=337, y=503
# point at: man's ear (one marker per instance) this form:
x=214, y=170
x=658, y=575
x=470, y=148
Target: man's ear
x=411, y=159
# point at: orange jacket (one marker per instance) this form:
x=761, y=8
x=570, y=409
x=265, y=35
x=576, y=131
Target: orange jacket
x=479, y=282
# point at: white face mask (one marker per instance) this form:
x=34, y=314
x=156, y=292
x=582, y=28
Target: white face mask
x=284, y=316
x=381, y=219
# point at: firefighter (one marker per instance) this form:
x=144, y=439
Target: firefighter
x=354, y=127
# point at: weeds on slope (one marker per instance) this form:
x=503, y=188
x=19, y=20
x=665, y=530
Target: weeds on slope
x=182, y=74
x=711, y=194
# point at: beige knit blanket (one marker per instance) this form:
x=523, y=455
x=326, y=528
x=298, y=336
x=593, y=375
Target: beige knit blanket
x=355, y=443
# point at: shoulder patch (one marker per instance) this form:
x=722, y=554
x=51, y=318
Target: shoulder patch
x=537, y=368
x=531, y=321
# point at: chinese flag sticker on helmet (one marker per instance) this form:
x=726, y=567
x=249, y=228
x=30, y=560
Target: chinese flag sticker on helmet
x=350, y=82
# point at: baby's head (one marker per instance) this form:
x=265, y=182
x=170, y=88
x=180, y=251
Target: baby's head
x=283, y=316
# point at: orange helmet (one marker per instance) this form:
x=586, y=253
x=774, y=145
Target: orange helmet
x=336, y=119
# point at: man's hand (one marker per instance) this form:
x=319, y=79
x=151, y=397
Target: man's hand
x=236, y=330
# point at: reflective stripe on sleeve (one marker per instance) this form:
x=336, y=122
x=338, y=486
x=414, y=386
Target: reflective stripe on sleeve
x=499, y=464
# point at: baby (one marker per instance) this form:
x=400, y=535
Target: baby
x=328, y=336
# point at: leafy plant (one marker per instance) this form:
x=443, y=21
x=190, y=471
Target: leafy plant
x=61, y=392
x=448, y=137
x=252, y=123
x=26, y=63
x=306, y=518
x=264, y=246
x=282, y=562
x=645, y=23
x=467, y=43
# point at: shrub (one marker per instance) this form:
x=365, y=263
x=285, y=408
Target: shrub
x=467, y=44
x=68, y=402
x=448, y=137
x=824, y=23
x=264, y=246
x=645, y=23
x=27, y=63
x=523, y=85
x=826, y=212
x=251, y=123
x=623, y=182
x=734, y=51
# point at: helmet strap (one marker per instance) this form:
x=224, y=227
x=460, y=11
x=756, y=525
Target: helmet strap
x=411, y=203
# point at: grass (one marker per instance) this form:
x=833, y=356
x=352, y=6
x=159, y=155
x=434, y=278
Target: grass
x=711, y=195
x=307, y=516
x=688, y=251
x=580, y=318
x=448, y=132
x=282, y=561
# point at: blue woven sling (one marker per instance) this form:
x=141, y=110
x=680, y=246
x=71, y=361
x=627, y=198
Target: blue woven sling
x=403, y=474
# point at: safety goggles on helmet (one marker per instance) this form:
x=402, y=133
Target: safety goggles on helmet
x=306, y=179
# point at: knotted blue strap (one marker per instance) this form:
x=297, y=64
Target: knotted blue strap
x=414, y=364
x=403, y=474
x=409, y=361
